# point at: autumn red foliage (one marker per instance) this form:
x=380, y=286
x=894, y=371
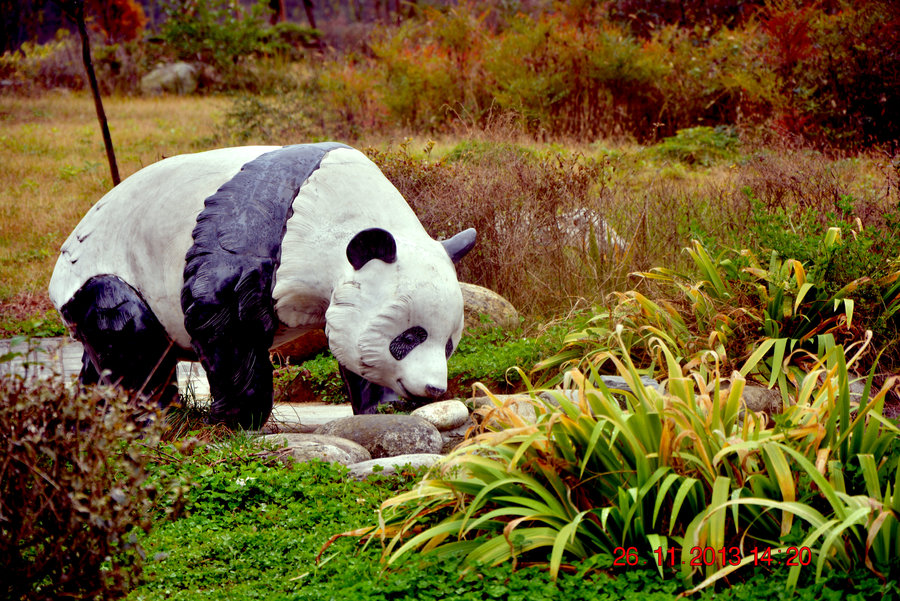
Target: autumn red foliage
x=117, y=20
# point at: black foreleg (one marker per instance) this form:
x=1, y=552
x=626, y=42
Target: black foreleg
x=124, y=342
x=231, y=320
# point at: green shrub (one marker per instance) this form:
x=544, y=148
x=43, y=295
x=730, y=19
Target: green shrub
x=56, y=63
x=583, y=81
x=73, y=489
x=319, y=374
x=670, y=470
x=430, y=69
x=860, y=262
x=229, y=38
x=702, y=146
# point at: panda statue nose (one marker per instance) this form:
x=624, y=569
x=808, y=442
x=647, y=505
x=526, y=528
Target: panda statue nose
x=433, y=392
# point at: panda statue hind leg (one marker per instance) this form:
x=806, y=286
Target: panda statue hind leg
x=124, y=342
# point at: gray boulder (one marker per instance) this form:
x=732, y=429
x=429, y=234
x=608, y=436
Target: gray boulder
x=387, y=435
x=520, y=404
x=615, y=384
x=452, y=438
x=177, y=78
x=760, y=399
x=479, y=301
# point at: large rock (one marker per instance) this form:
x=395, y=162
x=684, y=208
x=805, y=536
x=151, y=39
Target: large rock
x=304, y=447
x=445, y=415
x=387, y=435
x=452, y=438
x=760, y=399
x=391, y=465
x=480, y=302
x=177, y=78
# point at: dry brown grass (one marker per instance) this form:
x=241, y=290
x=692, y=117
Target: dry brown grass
x=509, y=187
x=54, y=167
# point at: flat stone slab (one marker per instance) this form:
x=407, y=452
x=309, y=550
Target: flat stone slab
x=304, y=447
x=389, y=466
x=308, y=417
x=61, y=355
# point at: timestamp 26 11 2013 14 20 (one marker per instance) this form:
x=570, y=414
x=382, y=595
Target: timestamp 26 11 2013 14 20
x=707, y=556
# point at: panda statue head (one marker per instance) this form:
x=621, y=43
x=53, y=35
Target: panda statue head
x=397, y=314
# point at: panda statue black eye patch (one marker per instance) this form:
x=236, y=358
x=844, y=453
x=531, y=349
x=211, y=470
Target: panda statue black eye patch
x=448, y=350
x=403, y=344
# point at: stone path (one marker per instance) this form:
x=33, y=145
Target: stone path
x=62, y=355
x=42, y=357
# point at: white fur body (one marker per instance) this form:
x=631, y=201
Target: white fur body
x=141, y=231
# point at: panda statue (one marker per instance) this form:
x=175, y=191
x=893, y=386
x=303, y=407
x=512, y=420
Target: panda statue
x=223, y=255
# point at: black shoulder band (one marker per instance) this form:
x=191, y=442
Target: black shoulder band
x=229, y=275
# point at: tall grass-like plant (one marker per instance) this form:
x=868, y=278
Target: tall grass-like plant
x=684, y=468
x=752, y=316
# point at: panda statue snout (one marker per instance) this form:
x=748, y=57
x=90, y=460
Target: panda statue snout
x=220, y=256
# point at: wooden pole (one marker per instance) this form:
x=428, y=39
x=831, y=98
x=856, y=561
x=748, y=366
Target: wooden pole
x=74, y=9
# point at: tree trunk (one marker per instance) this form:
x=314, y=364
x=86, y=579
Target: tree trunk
x=308, y=7
x=278, y=12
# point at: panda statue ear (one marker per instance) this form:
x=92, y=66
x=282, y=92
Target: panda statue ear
x=459, y=245
x=374, y=243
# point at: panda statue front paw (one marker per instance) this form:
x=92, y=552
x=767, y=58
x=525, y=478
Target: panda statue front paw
x=222, y=255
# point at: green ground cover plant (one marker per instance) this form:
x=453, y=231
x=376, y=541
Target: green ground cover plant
x=256, y=528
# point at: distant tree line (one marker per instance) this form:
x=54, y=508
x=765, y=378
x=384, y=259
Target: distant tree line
x=39, y=20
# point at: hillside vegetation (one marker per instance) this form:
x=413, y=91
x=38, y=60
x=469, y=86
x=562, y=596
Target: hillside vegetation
x=705, y=193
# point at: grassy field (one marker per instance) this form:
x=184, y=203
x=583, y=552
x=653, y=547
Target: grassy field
x=700, y=184
x=54, y=169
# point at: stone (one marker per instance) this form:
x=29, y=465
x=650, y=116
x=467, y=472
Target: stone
x=387, y=435
x=177, y=78
x=304, y=447
x=760, y=399
x=615, y=384
x=452, y=438
x=305, y=346
x=520, y=404
x=305, y=417
x=445, y=415
x=619, y=383
x=391, y=465
x=479, y=301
